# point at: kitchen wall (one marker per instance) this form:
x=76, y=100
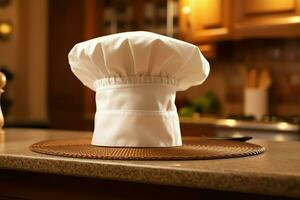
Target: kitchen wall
x=9, y=52
x=280, y=56
x=25, y=54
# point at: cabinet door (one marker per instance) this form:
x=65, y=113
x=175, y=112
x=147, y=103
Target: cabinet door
x=204, y=20
x=64, y=89
x=257, y=18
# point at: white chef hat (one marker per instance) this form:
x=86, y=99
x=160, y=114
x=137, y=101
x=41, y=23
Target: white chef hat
x=136, y=76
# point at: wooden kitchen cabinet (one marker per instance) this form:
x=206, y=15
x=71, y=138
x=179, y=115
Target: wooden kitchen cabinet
x=212, y=20
x=205, y=20
x=266, y=18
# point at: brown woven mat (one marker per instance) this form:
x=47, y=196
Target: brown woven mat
x=193, y=149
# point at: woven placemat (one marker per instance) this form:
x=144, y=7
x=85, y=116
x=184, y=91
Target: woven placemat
x=193, y=149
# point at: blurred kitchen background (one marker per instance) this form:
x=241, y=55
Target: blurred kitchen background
x=253, y=47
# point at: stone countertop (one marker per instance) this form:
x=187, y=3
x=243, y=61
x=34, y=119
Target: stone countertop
x=276, y=172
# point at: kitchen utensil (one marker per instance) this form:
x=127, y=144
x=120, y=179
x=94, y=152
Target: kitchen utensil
x=252, y=78
x=235, y=138
x=264, y=79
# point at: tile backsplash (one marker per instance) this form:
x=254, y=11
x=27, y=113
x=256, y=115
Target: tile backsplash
x=280, y=56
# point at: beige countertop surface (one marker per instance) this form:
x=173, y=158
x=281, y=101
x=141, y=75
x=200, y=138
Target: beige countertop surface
x=276, y=172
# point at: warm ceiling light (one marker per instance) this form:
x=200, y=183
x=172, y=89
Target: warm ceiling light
x=186, y=10
x=5, y=29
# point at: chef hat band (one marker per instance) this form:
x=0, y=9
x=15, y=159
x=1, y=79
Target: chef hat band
x=137, y=114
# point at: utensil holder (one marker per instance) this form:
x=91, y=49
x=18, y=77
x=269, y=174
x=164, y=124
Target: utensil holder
x=255, y=102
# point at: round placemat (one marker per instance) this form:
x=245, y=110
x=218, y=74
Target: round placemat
x=193, y=149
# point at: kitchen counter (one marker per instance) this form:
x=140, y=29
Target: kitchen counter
x=276, y=131
x=240, y=124
x=276, y=172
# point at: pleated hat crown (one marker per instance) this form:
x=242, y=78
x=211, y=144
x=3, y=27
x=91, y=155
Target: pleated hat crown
x=136, y=76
